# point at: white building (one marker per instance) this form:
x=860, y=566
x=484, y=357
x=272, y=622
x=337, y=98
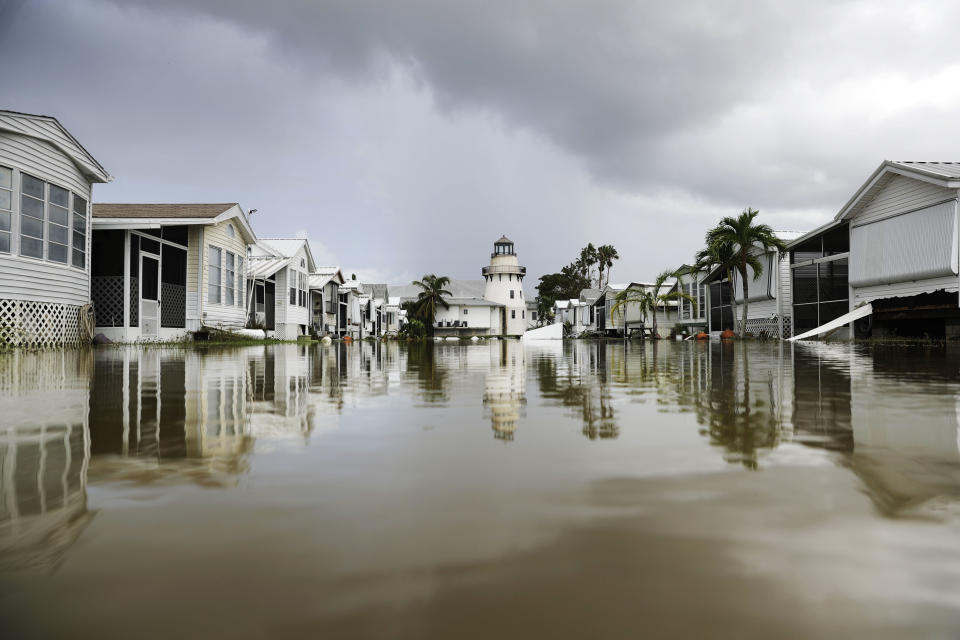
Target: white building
x=504, y=286
x=692, y=316
x=279, y=283
x=46, y=180
x=893, y=245
x=160, y=271
x=325, y=301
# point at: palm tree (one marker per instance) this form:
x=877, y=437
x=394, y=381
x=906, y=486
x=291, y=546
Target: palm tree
x=588, y=258
x=606, y=254
x=744, y=237
x=717, y=255
x=431, y=297
x=650, y=299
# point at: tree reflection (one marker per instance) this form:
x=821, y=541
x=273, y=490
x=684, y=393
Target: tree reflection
x=432, y=376
x=744, y=424
x=581, y=385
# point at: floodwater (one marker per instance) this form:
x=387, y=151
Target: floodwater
x=502, y=489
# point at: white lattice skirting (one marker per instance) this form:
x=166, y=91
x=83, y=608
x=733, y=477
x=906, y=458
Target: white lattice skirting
x=769, y=327
x=24, y=323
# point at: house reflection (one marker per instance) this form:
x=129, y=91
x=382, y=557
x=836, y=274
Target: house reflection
x=43, y=461
x=504, y=391
x=169, y=415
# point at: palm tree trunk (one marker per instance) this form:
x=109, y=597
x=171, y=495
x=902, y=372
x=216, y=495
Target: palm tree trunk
x=746, y=288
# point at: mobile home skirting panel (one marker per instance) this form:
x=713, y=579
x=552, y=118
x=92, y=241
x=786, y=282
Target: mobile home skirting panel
x=913, y=246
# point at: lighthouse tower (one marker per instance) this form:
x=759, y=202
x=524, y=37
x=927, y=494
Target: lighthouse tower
x=504, y=279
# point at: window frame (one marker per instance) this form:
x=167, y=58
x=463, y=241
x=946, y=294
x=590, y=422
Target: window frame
x=9, y=211
x=219, y=267
x=229, y=278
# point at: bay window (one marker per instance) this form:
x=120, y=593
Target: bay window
x=79, y=232
x=31, y=216
x=229, y=280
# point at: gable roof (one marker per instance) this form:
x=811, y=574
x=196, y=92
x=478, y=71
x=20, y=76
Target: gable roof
x=284, y=248
x=378, y=290
x=120, y=215
x=322, y=275
x=944, y=174
x=49, y=130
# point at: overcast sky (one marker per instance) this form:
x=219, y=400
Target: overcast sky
x=405, y=137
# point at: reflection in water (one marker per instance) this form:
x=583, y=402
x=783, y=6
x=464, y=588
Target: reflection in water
x=504, y=392
x=44, y=452
x=339, y=437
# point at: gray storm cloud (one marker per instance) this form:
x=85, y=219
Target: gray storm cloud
x=405, y=136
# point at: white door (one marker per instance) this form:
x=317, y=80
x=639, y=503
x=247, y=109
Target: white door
x=149, y=295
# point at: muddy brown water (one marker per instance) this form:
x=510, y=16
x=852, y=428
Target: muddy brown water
x=502, y=489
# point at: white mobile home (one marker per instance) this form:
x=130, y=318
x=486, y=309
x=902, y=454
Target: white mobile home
x=325, y=301
x=160, y=271
x=46, y=180
x=893, y=245
x=692, y=313
x=278, y=282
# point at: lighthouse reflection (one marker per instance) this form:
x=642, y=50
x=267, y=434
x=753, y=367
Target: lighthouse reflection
x=504, y=392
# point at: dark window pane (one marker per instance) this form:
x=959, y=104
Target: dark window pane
x=6, y=177
x=6, y=198
x=31, y=186
x=31, y=207
x=79, y=241
x=58, y=215
x=836, y=241
x=57, y=233
x=805, y=284
x=175, y=234
x=151, y=232
x=833, y=280
x=5, y=242
x=804, y=318
x=150, y=246
x=31, y=227
x=79, y=205
x=148, y=282
x=57, y=253
x=79, y=223
x=4, y=221
x=59, y=196
x=31, y=247
x=79, y=258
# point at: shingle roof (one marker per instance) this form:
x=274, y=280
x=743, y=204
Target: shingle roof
x=125, y=210
x=504, y=240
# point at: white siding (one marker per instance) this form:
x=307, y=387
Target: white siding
x=910, y=247
x=222, y=315
x=786, y=287
x=32, y=278
x=902, y=194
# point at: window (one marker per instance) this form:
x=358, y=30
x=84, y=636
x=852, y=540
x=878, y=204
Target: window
x=292, y=276
x=58, y=220
x=534, y=315
x=79, y=232
x=6, y=207
x=230, y=231
x=523, y=314
x=240, y=279
x=31, y=216
x=303, y=290
x=511, y=294
x=465, y=310
x=230, y=280
x=513, y=313
x=214, y=274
